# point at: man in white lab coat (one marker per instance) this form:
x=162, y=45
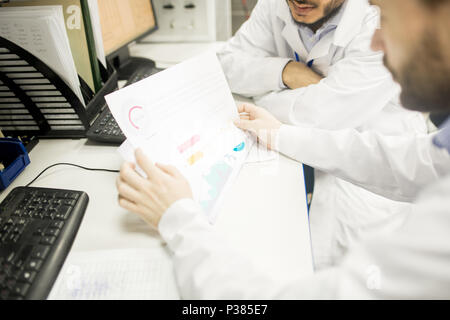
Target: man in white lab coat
x=410, y=263
x=337, y=83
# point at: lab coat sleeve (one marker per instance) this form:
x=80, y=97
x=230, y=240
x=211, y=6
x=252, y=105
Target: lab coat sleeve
x=396, y=167
x=410, y=264
x=355, y=88
x=206, y=267
x=249, y=59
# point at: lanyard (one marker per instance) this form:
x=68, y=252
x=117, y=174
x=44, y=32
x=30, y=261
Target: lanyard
x=309, y=64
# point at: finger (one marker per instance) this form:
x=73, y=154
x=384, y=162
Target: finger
x=244, y=117
x=118, y=182
x=170, y=170
x=247, y=125
x=128, y=192
x=130, y=176
x=128, y=205
x=144, y=212
x=149, y=168
x=247, y=108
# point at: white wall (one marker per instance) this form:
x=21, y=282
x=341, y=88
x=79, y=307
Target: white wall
x=192, y=20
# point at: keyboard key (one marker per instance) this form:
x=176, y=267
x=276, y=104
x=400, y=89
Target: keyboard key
x=63, y=213
x=17, y=238
x=57, y=225
x=40, y=252
x=23, y=256
x=69, y=202
x=73, y=195
x=39, y=232
x=15, y=272
x=18, y=213
x=27, y=276
x=7, y=267
x=34, y=265
x=52, y=232
x=4, y=294
x=10, y=283
x=47, y=240
x=20, y=289
x=56, y=203
x=5, y=237
x=10, y=237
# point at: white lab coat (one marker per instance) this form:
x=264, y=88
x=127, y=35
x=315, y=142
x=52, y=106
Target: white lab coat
x=357, y=92
x=411, y=263
x=396, y=167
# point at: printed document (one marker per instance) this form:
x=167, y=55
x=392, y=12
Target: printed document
x=130, y=274
x=183, y=116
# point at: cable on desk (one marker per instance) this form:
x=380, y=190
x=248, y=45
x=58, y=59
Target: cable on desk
x=71, y=165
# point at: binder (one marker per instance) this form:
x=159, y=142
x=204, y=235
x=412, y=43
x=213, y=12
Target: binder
x=37, y=102
x=91, y=43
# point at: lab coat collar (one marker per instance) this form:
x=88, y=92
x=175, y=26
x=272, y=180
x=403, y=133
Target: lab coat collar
x=442, y=139
x=290, y=31
x=353, y=14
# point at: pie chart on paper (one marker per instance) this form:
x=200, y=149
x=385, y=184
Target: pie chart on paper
x=136, y=117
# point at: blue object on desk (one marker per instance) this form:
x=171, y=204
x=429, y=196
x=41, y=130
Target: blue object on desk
x=15, y=158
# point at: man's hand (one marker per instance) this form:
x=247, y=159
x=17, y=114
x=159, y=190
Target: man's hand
x=259, y=122
x=297, y=75
x=150, y=198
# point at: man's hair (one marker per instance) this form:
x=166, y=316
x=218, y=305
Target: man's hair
x=433, y=3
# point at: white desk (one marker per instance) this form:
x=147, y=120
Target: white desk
x=264, y=214
x=266, y=209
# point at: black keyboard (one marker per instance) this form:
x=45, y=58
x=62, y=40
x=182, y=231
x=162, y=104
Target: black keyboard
x=37, y=229
x=105, y=129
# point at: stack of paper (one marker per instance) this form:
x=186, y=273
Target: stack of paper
x=41, y=31
x=97, y=30
x=130, y=274
x=183, y=116
x=83, y=37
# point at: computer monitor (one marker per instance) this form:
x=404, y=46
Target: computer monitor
x=124, y=22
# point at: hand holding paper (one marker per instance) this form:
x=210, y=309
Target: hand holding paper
x=151, y=197
x=184, y=117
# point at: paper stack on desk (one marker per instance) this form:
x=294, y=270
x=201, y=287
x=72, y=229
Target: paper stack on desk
x=184, y=117
x=126, y=274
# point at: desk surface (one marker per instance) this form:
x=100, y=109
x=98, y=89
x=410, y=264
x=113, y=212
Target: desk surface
x=264, y=214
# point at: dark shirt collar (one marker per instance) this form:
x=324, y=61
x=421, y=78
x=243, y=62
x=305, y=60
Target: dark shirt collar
x=442, y=139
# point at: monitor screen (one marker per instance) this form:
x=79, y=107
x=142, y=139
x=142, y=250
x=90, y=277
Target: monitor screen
x=125, y=21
